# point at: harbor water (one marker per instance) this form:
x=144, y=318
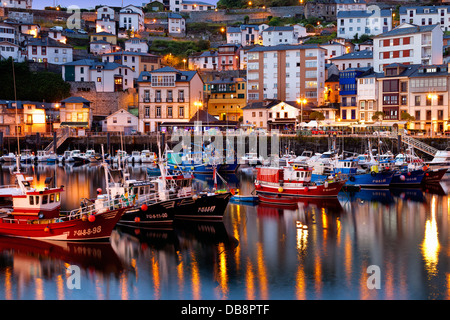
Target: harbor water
x=372, y=244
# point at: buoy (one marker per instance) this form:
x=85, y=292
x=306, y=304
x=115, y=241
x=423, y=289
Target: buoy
x=99, y=190
x=137, y=219
x=280, y=189
x=237, y=191
x=409, y=173
x=84, y=217
x=91, y=218
x=175, y=167
x=192, y=168
x=402, y=177
x=427, y=174
x=47, y=229
x=326, y=184
x=306, y=189
x=144, y=207
x=194, y=197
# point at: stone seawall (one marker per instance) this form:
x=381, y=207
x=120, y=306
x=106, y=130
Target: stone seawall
x=141, y=142
x=255, y=15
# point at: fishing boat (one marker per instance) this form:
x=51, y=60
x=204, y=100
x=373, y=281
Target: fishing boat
x=29, y=202
x=251, y=159
x=70, y=156
x=27, y=156
x=92, y=156
x=433, y=175
x=10, y=157
x=93, y=222
x=237, y=198
x=153, y=170
x=295, y=181
x=195, y=162
x=148, y=157
x=45, y=156
x=135, y=157
x=36, y=214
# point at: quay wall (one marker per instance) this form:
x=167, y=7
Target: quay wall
x=141, y=142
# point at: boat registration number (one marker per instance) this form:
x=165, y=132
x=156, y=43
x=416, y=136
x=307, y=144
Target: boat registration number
x=88, y=231
x=207, y=209
x=157, y=215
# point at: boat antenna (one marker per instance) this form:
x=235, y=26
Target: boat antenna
x=105, y=166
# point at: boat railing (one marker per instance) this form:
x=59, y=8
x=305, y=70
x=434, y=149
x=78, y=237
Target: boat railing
x=92, y=209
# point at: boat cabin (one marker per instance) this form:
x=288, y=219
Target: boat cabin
x=346, y=166
x=298, y=173
x=32, y=203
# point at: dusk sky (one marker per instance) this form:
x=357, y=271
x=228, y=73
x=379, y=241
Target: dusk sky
x=40, y=4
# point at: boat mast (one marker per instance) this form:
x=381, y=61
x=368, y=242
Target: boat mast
x=16, y=127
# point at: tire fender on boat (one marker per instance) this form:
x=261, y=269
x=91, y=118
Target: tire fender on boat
x=373, y=173
x=352, y=178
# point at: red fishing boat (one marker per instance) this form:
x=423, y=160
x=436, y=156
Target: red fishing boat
x=36, y=214
x=288, y=182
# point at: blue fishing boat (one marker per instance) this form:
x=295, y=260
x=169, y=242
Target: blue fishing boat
x=408, y=177
x=153, y=170
x=250, y=199
x=358, y=177
x=195, y=162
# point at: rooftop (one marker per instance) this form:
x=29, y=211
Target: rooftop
x=364, y=54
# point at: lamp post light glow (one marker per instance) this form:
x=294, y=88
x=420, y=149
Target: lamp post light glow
x=301, y=102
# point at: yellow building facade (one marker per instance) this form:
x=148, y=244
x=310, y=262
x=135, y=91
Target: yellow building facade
x=226, y=98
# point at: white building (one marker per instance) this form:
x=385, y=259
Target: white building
x=100, y=47
x=271, y=114
x=168, y=95
x=10, y=50
x=122, y=121
x=245, y=34
x=188, y=6
x=370, y=22
x=286, y=72
x=176, y=24
x=48, y=50
x=108, y=76
x=273, y=36
x=426, y=15
x=136, y=45
x=356, y=59
x=137, y=61
x=350, y=5
x=8, y=33
x=367, y=96
x=105, y=21
x=334, y=49
x=131, y=18
x=57, y=35
x=207, y=60
x=17, y=4
x=408, y=44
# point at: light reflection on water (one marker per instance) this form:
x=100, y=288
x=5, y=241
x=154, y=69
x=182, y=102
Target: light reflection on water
x=313, y=250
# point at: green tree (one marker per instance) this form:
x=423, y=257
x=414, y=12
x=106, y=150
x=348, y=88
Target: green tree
x=316, y=115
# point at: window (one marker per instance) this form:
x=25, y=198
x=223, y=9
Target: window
x=181, y=112
x=417, y=101
x=114, y=119
x=158, y=111
x=440, y=100
x=428, y=100
x=147, y=112
x=99, y=79
x=169, y=112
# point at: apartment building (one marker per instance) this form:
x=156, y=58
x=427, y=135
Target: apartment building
x=356, y=59
x=351, y=24
x=105, y=21
x=131, y=18
x=47, y=50
x=272, y=36
x=245, y=35
x=348, y=92
x=8, y=33
x=408, y=44
x=176, y=24
x=286, y=72
x=188, y=6
x=107, y=76
x=367, y=96
x=207, y=60
x=17, y=4
x=228, y=56
x=137, y=61
x=76, y=112
x=226, y=98
x=428, y=99
x=426, y=15
x=168, y=95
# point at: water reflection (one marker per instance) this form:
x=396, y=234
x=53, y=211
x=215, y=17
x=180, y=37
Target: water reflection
x=308, y=250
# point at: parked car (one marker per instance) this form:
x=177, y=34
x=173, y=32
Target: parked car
x=82, y=31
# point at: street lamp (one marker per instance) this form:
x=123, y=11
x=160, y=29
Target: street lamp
x=184, y=62
x=301, y=102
